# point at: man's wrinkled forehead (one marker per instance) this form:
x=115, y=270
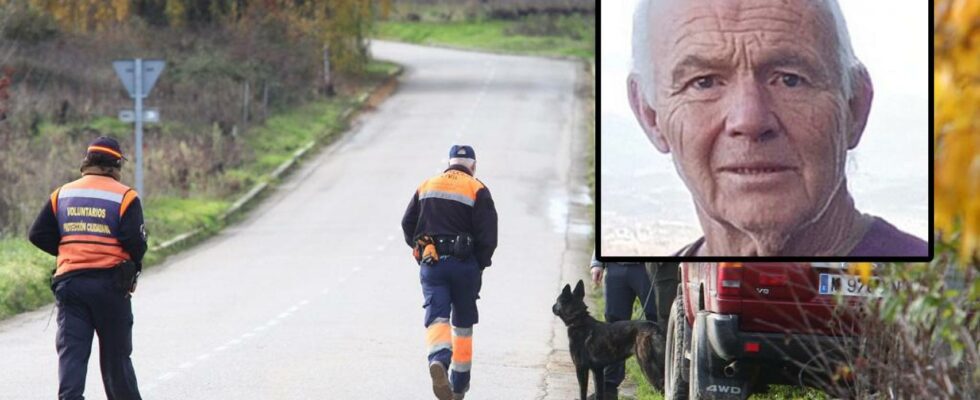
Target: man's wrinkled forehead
x=685, y=26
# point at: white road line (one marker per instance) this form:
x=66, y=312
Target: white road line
x=283, y=315
x=305, y=302
x=233, y=342
x=221, y=348
x=259, y=328
x=203, y=357
x=292, y=309
x=166, y=376
x=247, y=335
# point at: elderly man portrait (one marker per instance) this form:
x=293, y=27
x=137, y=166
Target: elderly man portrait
x=758, y=103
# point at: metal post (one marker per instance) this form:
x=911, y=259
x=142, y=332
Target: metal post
x=139, y=126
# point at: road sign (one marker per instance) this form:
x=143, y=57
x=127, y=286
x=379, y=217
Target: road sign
x=126, y=70
x=150, y=115
x=139, y=76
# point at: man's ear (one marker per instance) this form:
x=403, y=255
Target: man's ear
x=859, y=104
x=645, y=115
x=579, y=290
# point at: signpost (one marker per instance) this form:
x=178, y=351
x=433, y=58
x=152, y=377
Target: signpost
x=139, y=76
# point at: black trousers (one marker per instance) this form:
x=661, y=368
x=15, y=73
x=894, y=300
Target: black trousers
x=90, y=303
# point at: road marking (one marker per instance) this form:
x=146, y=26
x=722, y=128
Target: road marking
x=221, y=348
x=247, y=335
x=304, y=302
x=166, y=376
x=233, y=342
x=283, y=315
x=203, y=357
x=186, y=365
x=293, y=309
x=259, y=328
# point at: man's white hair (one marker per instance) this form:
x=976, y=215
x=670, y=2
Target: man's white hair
x=643, y=60
x=469, y=163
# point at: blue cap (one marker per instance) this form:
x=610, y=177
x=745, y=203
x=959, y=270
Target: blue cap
x=462, y=151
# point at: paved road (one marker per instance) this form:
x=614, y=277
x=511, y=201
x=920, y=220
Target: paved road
x=315, y=294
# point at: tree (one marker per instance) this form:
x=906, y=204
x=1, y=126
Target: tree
x=957, y=125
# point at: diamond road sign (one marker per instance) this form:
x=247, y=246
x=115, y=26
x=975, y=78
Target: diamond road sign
x=126, y=70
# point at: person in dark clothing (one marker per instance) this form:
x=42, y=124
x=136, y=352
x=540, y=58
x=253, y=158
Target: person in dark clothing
x=625, y=282
x=94, y=226
x=451, y=223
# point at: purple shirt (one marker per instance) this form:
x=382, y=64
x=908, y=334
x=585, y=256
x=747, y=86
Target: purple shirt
x=881, y=240
x=885, y=240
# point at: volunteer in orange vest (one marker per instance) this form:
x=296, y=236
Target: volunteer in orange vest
x=452, y=224
x=94, y=226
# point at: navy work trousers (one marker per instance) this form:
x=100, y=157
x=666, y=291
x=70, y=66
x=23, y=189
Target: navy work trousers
x=451, y=288
x=624, y=284
x=90, y=303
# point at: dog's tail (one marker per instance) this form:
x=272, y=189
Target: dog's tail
x=651, y=350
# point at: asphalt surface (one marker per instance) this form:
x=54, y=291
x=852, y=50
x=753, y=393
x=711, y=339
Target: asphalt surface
x=315, y=295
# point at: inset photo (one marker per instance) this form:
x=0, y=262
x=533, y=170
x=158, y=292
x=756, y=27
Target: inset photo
x=777, y=129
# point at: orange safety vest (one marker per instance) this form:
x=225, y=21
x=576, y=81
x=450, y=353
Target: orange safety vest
x=89, y=212
x=452, y=185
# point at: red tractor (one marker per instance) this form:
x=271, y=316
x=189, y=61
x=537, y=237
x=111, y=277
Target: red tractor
x=735, y=328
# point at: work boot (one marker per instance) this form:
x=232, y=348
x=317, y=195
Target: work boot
x=440, y=381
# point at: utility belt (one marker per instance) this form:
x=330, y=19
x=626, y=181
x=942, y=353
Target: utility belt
x=459, y=246
x=430, y=248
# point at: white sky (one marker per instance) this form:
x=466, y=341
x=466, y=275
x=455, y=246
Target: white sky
x=646, y=210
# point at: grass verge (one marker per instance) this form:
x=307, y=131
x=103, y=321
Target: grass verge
x=25, y=271
x=568, y=36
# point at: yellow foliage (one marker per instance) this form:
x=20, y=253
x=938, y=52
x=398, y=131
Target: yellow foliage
x=957, y=123
x=862, y=269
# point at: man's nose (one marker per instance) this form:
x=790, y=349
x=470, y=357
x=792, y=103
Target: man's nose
x=751, y=114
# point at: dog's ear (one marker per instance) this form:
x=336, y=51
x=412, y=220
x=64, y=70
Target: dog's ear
x=579, y=289
x=567, y=291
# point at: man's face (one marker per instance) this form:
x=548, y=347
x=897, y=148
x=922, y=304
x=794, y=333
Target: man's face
x=749, y=100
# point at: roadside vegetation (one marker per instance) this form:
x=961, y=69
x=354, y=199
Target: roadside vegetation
x=244, y=87
x=548, y=28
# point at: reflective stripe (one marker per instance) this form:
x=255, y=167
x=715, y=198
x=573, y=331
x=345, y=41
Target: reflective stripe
x=438, y=336
x=440, y=320
x=462, y=349
x=436, y=194
x=92, y=194
x=105, y=150
x=433, y=349
x=462, y=331
x=461, y=366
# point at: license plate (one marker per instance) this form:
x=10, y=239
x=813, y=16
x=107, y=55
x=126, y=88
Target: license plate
x=848, y=285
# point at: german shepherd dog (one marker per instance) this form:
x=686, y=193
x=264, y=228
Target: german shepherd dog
x=595, y=344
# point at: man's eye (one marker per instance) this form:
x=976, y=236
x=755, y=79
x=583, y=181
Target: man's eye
x=791, y=80
x=704, y=82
